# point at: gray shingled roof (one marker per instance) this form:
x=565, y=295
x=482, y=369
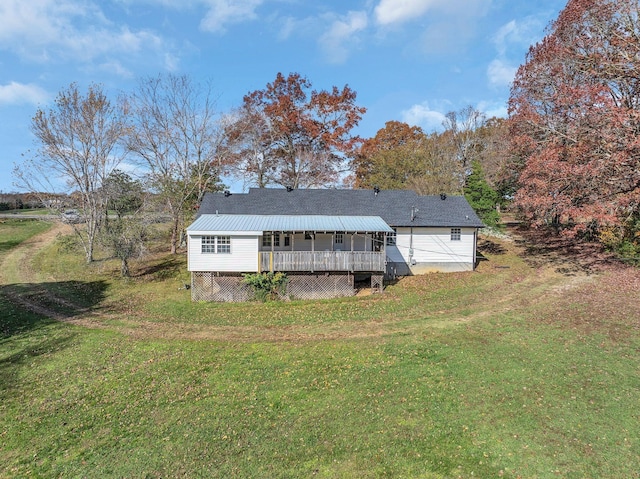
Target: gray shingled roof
x=393, y=206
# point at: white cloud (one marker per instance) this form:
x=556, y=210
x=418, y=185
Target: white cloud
x=397, y=11
x=423, y=116
x=224, y=12
x=20, y=93
x=493, y=109
x=389, y=12
x=521, y=33
x=341, y=34
x=500, y=73
x=115, y=67
x=504, y=32
x=53, y=30
x=513, y=35
x=171, y=62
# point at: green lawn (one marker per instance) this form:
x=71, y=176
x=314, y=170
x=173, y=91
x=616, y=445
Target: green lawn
x=510, y=371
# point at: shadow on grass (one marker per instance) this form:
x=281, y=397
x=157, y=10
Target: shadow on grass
x=9, y=244
x=165, y=268
x=491, y=247
x=29, y=329
x=25, y=307
x=545, y=247
x=23, y=350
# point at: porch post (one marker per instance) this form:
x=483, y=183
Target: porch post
x=351, y=254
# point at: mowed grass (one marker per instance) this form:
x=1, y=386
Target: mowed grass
x=509, y=371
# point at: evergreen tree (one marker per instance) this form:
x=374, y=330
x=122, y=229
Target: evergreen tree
x=482, y=198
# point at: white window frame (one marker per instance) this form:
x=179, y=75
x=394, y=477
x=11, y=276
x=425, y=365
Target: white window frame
x=268, y=237
x=456, y=234
x=211, y=244
x=339, y=238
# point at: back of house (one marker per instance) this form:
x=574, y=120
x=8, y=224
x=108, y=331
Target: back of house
x=326, y=240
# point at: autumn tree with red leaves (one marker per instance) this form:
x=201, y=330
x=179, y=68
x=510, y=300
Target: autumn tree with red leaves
x=575, y=120
x=290, y=135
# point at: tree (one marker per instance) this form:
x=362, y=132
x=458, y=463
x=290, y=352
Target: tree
x=462, y=128
x=494, y=153
x=295, y=136
x=482, y=198
x=248, y=141
x=78, y=142
x=394, y=136
x=125, y=238
x=575, y=119
x=175, y=136
x=404, y=157
x=123, y=194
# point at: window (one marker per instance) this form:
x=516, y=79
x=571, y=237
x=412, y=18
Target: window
x=287, y=240
x=267, y=238
x=208, y=244
x=216, y=244
x=455, y=234
x=308, y=236
x=339, y=238
x=391, y=238
x=224, y=244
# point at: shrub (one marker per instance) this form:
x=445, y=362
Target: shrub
x=266, y=286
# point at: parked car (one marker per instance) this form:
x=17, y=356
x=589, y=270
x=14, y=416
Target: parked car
x=71, y=217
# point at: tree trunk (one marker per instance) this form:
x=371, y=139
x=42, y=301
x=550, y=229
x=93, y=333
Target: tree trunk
x=124, y=268
x=174, y=236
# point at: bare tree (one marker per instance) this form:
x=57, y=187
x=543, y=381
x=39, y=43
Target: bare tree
x=462, y=128
x=175, y=136
x=248, y=141
x=78, y=142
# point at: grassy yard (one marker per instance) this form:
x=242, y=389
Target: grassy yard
x=524, y=368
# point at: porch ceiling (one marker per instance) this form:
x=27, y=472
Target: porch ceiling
x=257, y=224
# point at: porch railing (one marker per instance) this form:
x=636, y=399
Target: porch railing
x=322, y=261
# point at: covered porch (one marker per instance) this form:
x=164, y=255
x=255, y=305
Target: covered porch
x=320, y=261
x=325, y=244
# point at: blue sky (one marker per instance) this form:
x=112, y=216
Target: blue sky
x=408, y=60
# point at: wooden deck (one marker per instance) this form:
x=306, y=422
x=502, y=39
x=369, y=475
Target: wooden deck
x=320, y=261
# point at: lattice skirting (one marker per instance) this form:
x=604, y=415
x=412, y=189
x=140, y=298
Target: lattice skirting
x=377, y=283
x=319, y=286
x=206, y=286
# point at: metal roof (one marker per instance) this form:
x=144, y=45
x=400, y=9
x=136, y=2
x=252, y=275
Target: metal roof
x=395, y=207
x=257, y=224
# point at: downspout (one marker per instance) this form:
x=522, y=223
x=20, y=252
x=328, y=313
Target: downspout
x=410, y=246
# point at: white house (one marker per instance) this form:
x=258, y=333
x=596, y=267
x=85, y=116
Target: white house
x=326, y=240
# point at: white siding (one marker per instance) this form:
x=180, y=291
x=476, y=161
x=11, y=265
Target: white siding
x=432, y=245
x=242, y=259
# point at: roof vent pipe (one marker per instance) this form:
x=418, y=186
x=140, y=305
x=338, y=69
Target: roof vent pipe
x=443, y=196
x=289, y=189
x=376, y=190
x=227, y=193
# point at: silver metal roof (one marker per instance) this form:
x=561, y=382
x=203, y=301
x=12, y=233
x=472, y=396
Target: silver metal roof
x=257, y=224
